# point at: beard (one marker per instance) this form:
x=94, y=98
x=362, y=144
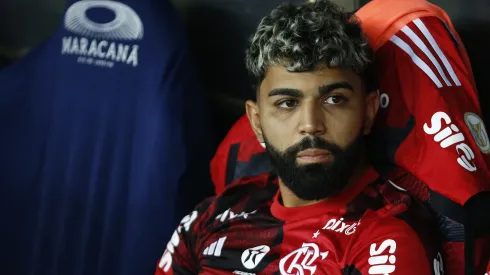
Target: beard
x=316, y=181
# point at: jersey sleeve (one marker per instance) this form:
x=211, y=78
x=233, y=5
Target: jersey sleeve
x=393, y=247
x=430, y=106
x=179, y=257
x=431, y=116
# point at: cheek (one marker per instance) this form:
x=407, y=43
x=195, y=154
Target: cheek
x=277, y=133
x=344, y=128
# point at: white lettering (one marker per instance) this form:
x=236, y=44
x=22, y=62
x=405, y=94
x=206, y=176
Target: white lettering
x=166, y=261
x=438, y=265
x=380, y=262
x=450, y=136
x=329, y=224
x=229, y=215
x=436, y=123
x=174, y=242
x=386, y=244
x=111, y=52
x=106, y=51
x=92, y=51
x=187, y=221
x=352, y=229
x=66, y=45
x=465, y=159
x=340, y=226
x=83, y=46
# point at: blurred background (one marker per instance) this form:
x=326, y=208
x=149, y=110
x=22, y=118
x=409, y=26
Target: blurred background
x=218, y=30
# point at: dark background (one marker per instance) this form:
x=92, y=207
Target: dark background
x=218, y=31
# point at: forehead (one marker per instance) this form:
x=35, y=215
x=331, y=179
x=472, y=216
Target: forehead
x=278, y=77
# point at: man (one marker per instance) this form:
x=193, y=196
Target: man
x=429, y=121
x=330, y=213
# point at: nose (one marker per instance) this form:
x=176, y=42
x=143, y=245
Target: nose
x=312, y=119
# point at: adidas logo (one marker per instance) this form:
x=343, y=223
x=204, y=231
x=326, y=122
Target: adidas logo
x=215, y=248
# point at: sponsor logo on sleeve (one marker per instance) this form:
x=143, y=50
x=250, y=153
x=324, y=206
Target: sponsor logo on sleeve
x=478, y=131
x=447, y=135
x=184, y=226
x=382, y=260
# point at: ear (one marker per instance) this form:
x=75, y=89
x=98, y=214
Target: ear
x=254, y=118
x=372, y=106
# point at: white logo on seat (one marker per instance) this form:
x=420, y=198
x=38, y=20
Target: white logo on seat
x=126, y=24
x=95, y=43
x=252, y=256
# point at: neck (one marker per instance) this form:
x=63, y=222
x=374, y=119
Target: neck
x=289, y=199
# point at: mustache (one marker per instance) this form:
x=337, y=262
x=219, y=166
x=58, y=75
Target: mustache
x=313, y=143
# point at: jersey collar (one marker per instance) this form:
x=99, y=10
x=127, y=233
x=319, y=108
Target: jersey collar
x=335, y=205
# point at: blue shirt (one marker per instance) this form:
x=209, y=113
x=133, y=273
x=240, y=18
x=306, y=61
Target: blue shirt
x=103, y=141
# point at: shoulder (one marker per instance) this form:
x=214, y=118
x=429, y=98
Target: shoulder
x=400, y=217
x=409, y=223
x=395, y=241
x=404, y=210
x=403, y=229
x=238, y=199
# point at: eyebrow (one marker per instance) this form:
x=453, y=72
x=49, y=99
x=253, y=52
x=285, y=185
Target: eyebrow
x=322, y=90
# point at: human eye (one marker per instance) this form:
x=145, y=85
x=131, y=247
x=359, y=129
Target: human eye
x=335, y=99
x=287, y=104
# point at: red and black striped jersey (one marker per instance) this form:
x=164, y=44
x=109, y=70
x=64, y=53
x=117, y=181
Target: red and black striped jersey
x=371, y=228
x=429, y=123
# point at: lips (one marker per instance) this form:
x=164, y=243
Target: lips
x=313, y=156
x=313, y=153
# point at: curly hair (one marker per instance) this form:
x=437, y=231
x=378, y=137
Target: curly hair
x=306, y=37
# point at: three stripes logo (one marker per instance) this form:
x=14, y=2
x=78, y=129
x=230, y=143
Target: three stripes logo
x=433, y=62
x=215, y=248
